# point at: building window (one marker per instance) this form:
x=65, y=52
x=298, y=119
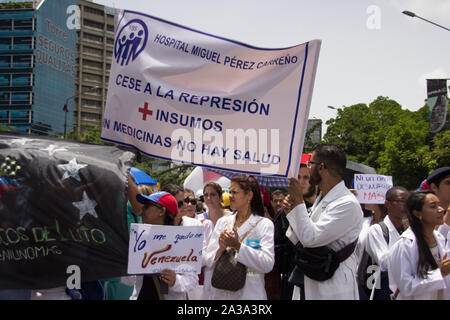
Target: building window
x=90, y=116
x=92, y=64
x=94, y=11
x=23, y=24
x=4, y=80
x=5, y=61
x=110, y=27
x=20, y=98
x=90, y=91
x=93, y=51
x=19, y=115
x=93, y=24
x=92, y=77
x=90, y=103
x=22, y=61
x=4, y=97
x=5, y=24
x=21, y=79
x=91, y=37
x=5, y=43
x=23, y=43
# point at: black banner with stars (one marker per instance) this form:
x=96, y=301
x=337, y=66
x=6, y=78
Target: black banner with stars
x=62, y=204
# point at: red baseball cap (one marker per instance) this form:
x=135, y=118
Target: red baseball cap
x=160, y=198
x=305, y=157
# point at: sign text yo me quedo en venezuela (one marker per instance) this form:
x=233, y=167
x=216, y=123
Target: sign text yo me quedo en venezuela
x=179, y=94
x=154, y=248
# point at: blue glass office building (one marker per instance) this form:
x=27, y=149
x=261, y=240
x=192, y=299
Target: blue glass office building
x=38, y=67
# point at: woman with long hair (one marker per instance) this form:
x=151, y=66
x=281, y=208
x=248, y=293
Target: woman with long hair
x=247, y=233
x=419, y=267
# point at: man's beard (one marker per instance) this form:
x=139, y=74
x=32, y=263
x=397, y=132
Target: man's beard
x=311, y=191
x=315, y=178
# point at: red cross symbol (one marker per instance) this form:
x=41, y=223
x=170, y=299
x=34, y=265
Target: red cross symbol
x=145, y=111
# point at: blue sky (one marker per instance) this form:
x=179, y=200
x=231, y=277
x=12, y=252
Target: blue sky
x=369, y=48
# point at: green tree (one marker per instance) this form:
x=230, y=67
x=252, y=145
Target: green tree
x=405, y=151
x=91, y=134
x=440, y=154
x=384, y=136
x=7, y=128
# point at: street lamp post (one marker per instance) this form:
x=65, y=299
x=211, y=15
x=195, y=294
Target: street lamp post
x=413, y=15
x=66, y=109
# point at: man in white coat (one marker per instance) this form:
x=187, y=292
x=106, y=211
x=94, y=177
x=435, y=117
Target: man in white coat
x=376, y=244
x=335, y=221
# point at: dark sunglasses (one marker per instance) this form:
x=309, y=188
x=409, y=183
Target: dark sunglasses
x=187, y=200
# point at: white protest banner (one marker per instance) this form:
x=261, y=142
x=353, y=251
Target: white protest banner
x=183, y=95
x=153, y=248
x=372, y=188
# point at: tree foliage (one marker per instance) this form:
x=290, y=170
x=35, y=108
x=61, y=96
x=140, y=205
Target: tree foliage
x=440, y=154
x=390, y=139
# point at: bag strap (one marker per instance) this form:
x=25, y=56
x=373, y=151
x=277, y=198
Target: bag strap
x=385, y=230
x=346, y=252
x=246, y=234
x=394, y=297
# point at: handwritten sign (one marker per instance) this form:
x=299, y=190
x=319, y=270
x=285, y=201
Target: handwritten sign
x=153, y=248
x=371, y=188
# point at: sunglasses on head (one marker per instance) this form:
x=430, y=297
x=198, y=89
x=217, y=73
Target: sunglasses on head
x=187, y=200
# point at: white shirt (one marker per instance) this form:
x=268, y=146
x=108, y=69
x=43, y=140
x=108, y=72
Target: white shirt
x=376, y=245
x=336, y=221
x=402, y=268
x=259, y=261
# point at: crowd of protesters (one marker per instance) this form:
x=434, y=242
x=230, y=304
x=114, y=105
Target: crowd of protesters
x=395, y=250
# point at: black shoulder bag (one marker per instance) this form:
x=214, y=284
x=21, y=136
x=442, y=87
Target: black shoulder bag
x=320, y=263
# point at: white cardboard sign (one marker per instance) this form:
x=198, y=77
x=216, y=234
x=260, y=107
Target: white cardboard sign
x=153, y=248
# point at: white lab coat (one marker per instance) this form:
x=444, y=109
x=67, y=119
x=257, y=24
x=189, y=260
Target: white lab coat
x=199, y=292
x=402, y=268
x=183, y=283
x=444, y=230
x=336, y=221
x=376, y=245
x=362, y=238
x=258, y=261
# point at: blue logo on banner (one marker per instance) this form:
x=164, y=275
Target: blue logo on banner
x=130, y=41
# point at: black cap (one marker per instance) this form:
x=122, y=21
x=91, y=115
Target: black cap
x=438, y=175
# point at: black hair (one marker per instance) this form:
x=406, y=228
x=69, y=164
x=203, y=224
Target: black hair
x=333, y=157
x=416, y=201
x=168, y=217
x=277, y=192
x=390, y=194
x=248, y=183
